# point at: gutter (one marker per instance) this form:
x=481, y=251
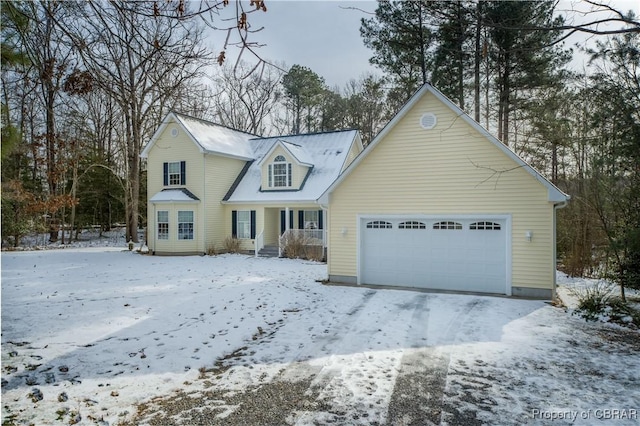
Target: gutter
x=556, y=207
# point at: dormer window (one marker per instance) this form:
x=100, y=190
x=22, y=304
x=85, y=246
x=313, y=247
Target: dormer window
x=280, y=173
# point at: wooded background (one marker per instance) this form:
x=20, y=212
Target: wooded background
x=85, y=85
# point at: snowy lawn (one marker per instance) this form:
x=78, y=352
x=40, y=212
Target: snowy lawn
x=102, y=336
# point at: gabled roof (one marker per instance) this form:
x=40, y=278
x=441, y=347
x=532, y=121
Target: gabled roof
x=210, y=138
x=555, y=195
x=326, y=152
x=299, y=153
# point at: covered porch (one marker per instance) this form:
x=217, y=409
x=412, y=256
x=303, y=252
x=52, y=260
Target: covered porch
x=302, y=227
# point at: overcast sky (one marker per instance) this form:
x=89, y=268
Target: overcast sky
x=324, y=35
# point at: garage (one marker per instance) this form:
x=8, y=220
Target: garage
x=447, y=253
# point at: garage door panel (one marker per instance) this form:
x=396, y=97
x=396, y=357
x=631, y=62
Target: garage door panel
x=465, y=255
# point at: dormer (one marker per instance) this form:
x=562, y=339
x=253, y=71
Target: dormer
x=285, y=167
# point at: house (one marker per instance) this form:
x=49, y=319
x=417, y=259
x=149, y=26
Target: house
x=435, y=201
x=207, y=182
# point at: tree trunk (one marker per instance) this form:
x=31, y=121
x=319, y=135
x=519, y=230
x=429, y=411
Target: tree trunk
x=460, y=53
x=476, y=63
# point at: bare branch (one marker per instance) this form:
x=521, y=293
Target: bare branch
x=497, y=173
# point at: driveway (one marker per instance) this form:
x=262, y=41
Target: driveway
x=116, y=338
x=419, y=359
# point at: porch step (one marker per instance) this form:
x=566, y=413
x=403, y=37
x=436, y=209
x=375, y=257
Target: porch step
x=269, y=251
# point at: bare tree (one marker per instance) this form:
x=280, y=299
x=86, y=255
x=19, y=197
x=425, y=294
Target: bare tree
x=247, y=103
x=139, y=62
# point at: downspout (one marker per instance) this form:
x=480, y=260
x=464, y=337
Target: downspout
x=204, y=204
x=556, y=207
x=327, y=228
x=155, y=227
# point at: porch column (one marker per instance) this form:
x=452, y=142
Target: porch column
x=287, y=225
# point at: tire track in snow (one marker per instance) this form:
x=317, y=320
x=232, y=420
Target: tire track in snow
x=357, y=378
x=419, y=387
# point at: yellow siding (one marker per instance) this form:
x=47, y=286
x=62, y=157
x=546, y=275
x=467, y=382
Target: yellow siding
x=208, y=177
x=356, y=148
x=245, y=244
x=451, y=169
x=173, y=245
x=221, y=172
x=299, y=172
x=272, y=230
x=168, y=149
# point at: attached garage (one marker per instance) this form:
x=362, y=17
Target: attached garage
x=457, y=253
x=436, y=202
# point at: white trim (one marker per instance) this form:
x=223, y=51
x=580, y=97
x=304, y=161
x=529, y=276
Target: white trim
x=362, y=217
x=193, y=222
x=174, y=118
x=173, y=201
x=157, y=237
x=281, y=143
x=274, y=203
x=553, y=193
x=358, y=140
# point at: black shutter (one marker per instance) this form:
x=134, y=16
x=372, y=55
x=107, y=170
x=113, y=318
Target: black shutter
x=300, y=219
x=290, y=219
x=320, y=221
x=282, y=224
x=183, y=173
x=166, y=173
x=253, y=224
x=234, y=223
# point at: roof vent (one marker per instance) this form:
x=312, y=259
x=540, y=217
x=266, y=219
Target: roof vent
x=428, y=121
x=174, y=132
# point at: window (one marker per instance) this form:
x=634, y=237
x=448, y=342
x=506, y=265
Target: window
x=175, y=173
x=163, y=225
x=244, y=224
x=379, y=224
x=446, y=224
x=412, y=224
x=280, y=173
x=185, y=225
x=311, y=219
x=485, y=226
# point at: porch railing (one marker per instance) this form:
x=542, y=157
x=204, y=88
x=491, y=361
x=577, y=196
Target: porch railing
x=259, y=243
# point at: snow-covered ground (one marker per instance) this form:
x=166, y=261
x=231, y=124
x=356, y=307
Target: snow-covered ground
x=105, y=336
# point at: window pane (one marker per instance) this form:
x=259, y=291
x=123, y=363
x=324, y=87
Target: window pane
x=379, y=224
x=174, y=167
x=280, y=175
x=185, y=216
x=174, y=173
x=244, y=224
x=185, y=225
x=311, y=219
x=163, y=225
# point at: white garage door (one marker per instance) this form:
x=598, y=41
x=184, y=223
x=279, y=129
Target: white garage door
x=444, y=253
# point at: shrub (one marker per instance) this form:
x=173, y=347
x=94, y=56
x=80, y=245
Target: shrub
x=598, y=303
x=293, y=245
x=298, y=246
x=211, y=250
x=231, y=245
